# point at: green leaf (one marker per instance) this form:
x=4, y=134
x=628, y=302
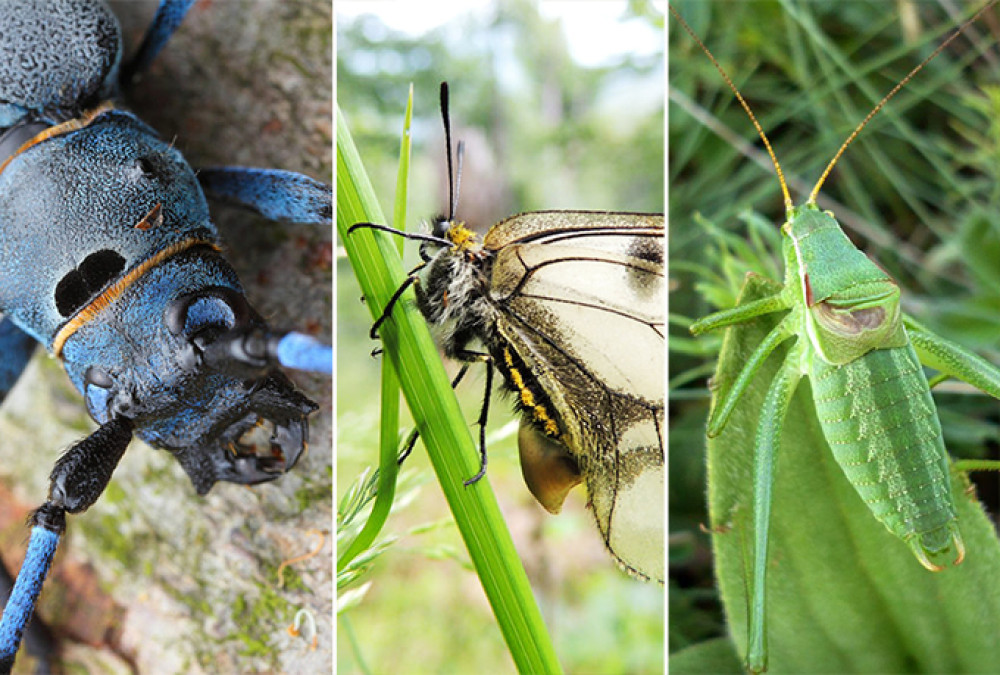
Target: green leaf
x=712, y=657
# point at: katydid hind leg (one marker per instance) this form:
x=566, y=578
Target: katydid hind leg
x=953, y=360
x=768, y=439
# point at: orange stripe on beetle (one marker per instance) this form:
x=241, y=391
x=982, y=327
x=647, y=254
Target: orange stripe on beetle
x=115, y=290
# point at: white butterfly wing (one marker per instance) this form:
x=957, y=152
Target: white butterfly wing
x=580, y=299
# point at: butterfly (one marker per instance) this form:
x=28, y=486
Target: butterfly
x=568, y=306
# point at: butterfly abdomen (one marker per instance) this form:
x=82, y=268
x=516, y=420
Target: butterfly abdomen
x=532, y=401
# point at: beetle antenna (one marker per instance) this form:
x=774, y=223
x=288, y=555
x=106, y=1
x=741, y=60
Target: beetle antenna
x=746, y=106
x=881, y=104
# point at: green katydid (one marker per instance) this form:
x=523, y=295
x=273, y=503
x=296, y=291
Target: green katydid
x=845, y=332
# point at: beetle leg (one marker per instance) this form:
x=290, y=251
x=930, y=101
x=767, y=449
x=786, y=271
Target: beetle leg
x=49, y=524
x=17, y=348
x=39, y=641
x=277, y=195
x=84, y=471
x=168, y=17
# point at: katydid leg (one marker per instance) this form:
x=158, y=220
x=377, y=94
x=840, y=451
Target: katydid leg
x=768, y=439
x=720, y=415
x=741, y=313
x=954, y=360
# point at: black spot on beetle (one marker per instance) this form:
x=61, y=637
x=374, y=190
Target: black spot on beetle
x=71, y=293
x=78, y=286
x=101, y=267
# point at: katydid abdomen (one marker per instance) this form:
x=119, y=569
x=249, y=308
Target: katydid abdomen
x=871, y=394
x=880, y=422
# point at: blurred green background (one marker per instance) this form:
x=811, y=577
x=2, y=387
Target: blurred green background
x=560, y=106
x=918, y=191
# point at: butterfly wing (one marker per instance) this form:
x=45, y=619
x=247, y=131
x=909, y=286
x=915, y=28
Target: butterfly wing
x=580, y=300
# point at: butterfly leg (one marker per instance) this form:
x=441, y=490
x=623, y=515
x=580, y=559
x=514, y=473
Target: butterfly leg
x=471, y=357
x=411, y=440
x=387, y=312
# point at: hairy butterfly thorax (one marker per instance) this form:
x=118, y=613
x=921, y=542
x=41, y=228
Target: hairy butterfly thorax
x=568, y=305
x=112, y=262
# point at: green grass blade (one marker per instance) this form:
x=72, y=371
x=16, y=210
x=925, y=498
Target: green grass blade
x=389, y=397
x=408, y=343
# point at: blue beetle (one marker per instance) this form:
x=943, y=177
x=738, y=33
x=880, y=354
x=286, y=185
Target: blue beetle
x=110, y=260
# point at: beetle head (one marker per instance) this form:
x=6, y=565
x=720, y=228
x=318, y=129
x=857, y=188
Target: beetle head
x=144, y=358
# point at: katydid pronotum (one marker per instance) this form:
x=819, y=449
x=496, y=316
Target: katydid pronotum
x=840, y=320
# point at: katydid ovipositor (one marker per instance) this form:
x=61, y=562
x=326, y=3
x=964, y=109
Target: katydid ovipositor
x=844, y=312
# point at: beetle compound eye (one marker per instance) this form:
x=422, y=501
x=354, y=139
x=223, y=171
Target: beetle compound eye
x=208, y=314
x=202, y=317
x=97, y=389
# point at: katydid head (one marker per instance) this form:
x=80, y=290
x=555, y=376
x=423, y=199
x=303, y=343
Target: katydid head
x=852, y=304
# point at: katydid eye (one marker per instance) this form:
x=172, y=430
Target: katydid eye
x=851, y=321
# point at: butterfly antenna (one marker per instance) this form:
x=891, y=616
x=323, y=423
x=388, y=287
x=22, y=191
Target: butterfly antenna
x=881, y=104
x=446, y=119
x=746, y=107
x=458, y=176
